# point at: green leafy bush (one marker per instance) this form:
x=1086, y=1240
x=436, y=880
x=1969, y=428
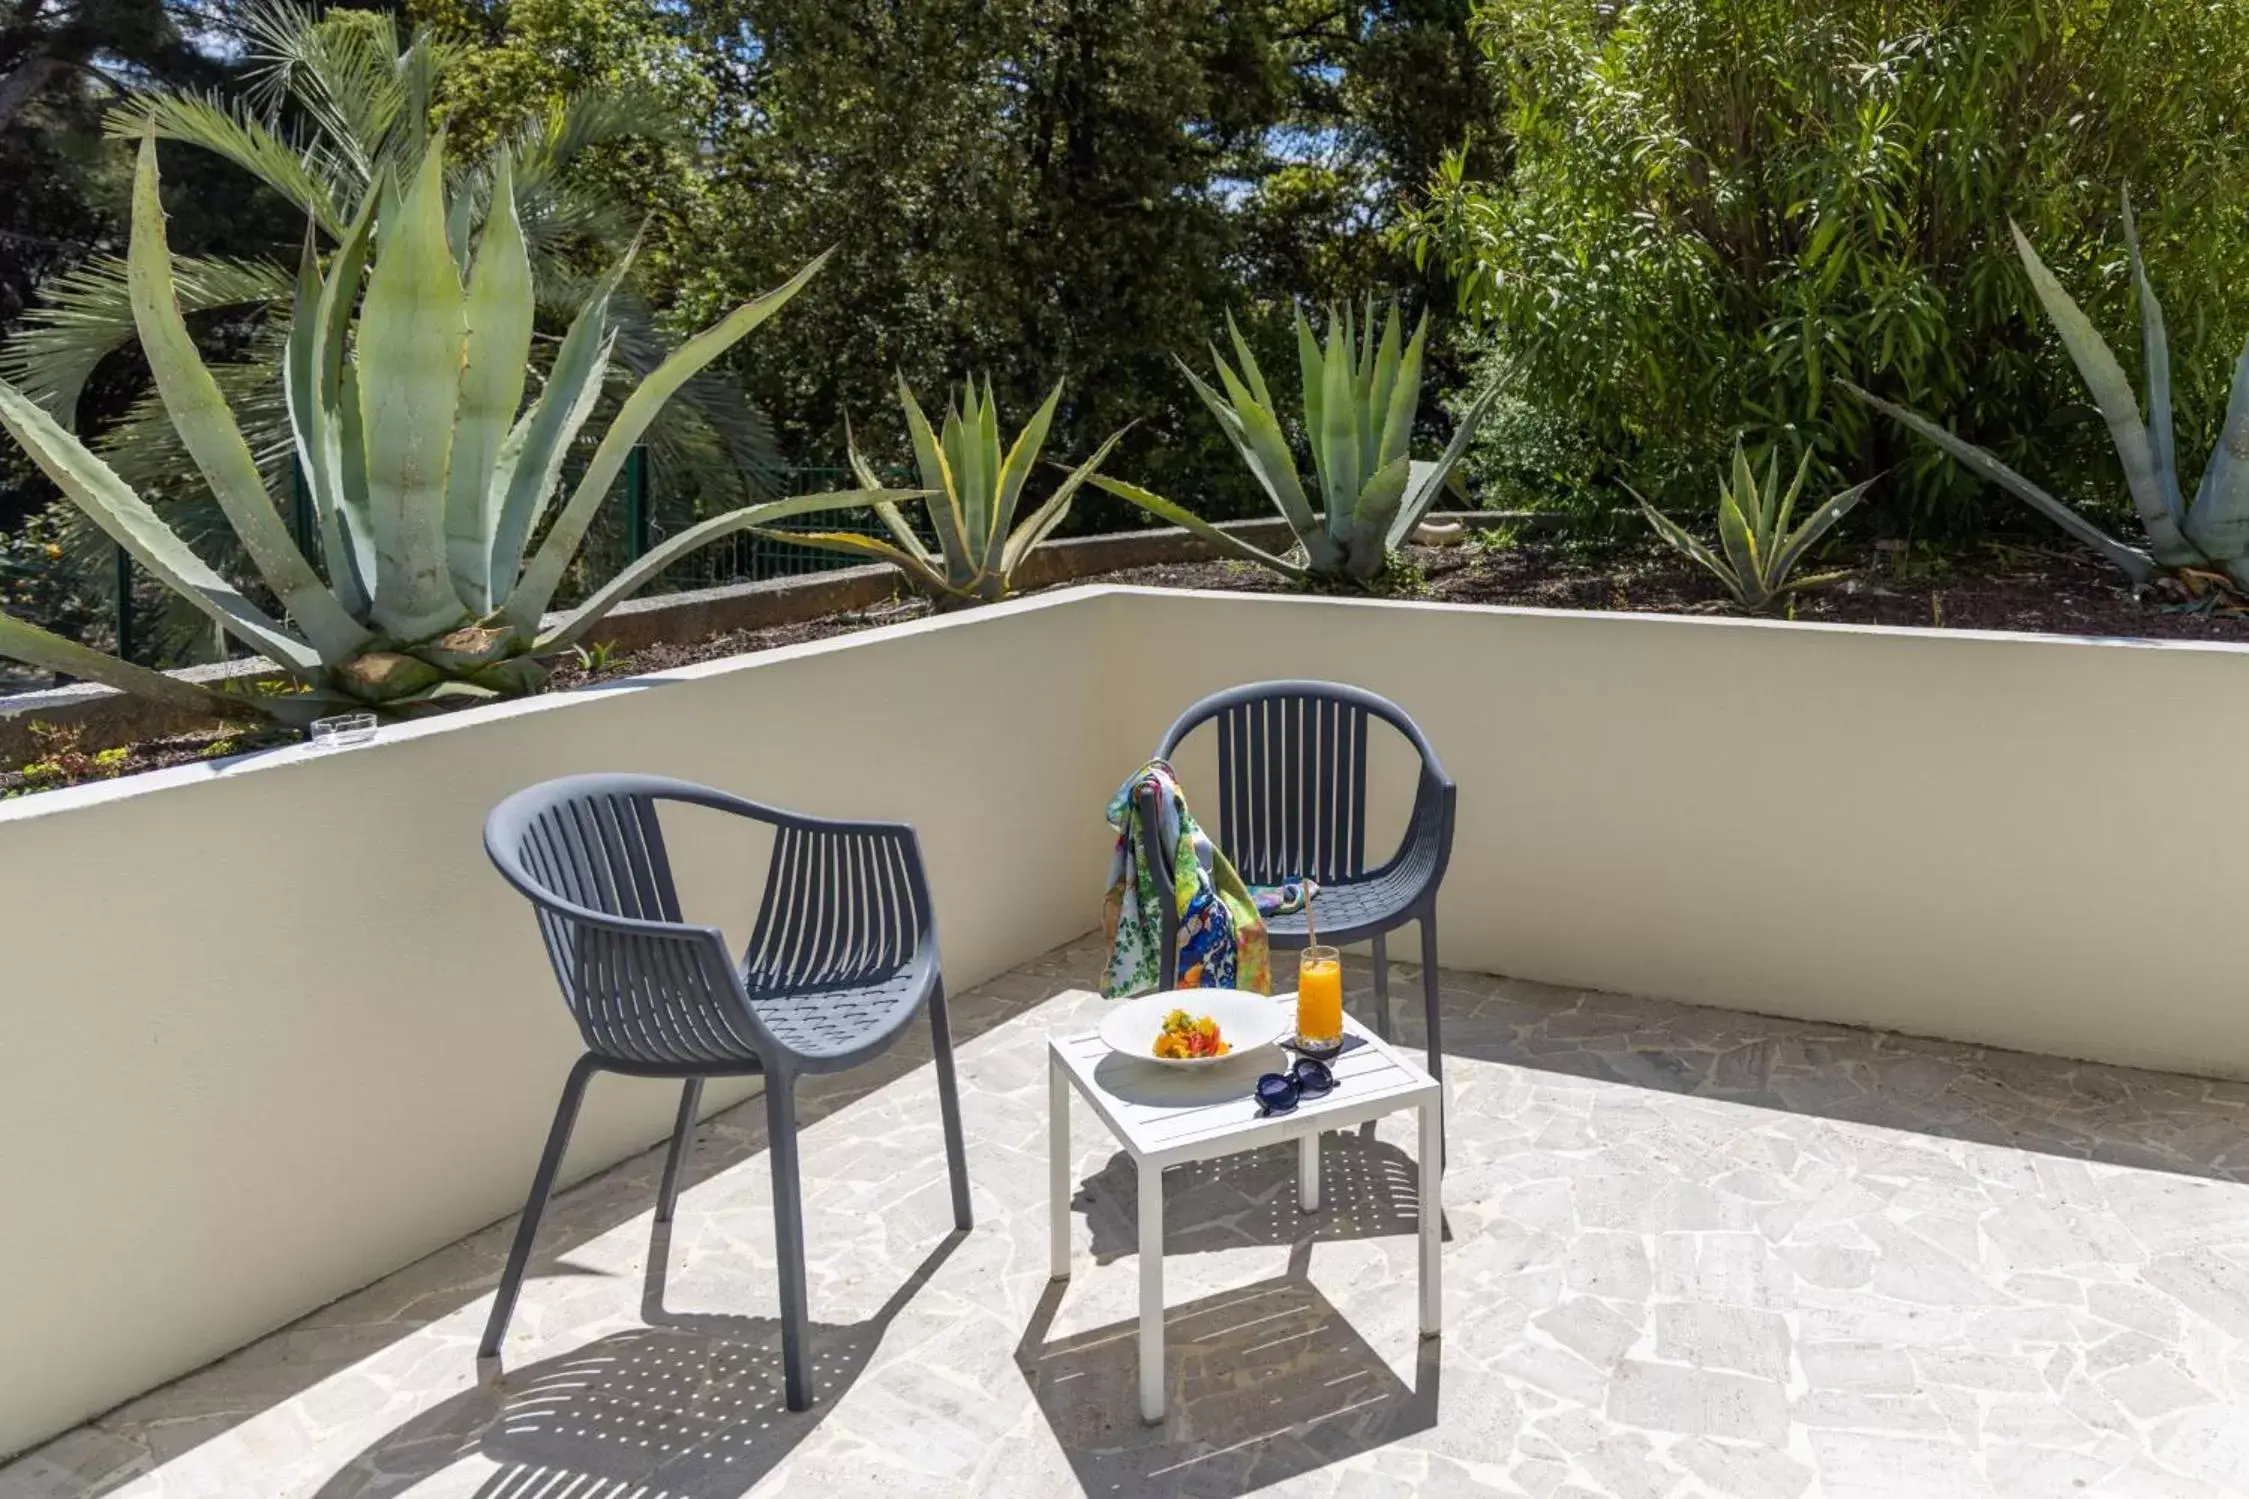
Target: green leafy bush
x=1718, y=210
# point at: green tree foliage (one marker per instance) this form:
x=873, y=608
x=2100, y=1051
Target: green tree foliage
x=1025, y=187
x=1044, y=189
x=1718, y=210
x=62, y=187
x=528, y=57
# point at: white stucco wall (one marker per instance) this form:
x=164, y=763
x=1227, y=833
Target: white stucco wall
x=1977, y=836
x=275, y=1028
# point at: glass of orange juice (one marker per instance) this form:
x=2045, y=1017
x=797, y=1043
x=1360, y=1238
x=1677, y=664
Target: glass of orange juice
x=1319, y=998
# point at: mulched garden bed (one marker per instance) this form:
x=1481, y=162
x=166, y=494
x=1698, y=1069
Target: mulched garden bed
x=1992, y=588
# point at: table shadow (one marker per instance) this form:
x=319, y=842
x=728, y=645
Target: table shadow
x=1370, y=1189
x=1264, y=1383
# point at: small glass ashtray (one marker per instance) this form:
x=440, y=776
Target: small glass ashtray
x=340, y=729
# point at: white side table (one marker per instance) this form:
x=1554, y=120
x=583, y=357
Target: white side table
x=1166, y=1117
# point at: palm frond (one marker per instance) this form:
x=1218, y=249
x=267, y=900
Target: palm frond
x=340, y=68
x=87, y=315
x=306, y=173
x=709, y=415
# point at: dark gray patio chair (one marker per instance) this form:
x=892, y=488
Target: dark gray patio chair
x=1292, y=801
x=844, y=954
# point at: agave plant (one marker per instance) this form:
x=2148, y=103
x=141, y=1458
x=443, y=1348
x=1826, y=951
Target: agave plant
x=1360, y=396
x=429, y=476
x=1757, y=553
x=334, y=103
x=973, y=494
x=2210, y=536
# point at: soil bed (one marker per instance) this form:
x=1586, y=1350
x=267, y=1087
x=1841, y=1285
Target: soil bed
x=1991, y=588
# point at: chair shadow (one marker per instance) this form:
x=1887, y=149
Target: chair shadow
x=1264, y=1383
x=465, y=1271
x=688, y=1407
x=1369, y=1189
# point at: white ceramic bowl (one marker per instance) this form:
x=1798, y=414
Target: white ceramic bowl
x=1245, y=1023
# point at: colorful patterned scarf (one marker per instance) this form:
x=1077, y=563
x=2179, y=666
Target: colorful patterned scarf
x=1221, y=936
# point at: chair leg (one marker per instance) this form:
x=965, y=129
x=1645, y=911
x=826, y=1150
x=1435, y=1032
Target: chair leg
x=534, y=1206
x=949, y=1104
x=683, y=1135
x=788, y=1238
x=1430, y=1008
x=1382, y=986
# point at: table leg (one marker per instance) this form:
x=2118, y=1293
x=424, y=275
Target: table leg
x=1151, y=1207
x=1308, y=1172
x=1432, y=1216
x=1058, y=1168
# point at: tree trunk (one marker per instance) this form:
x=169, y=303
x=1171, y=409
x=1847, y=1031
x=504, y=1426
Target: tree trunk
x=24, y=80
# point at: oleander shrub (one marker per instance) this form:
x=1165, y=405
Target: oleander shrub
x=1716, y=211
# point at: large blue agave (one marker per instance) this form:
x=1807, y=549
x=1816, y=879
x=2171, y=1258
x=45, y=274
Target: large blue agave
x=429, y=474
x=2212, y=533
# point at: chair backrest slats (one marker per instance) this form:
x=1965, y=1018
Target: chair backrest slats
x=839, y=906
x=844, y=905
x=1291, y=796
x=1292, y=788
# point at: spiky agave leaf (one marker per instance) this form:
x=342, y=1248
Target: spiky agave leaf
x=938, y=478
x=2155, y=356
x=1371, y=518
x=26, y=642
x=919, y=564
x=312, y=379
x=1179, y=515
x=972, y=455
x=411, y=328
x=1793, y=548
x=1251, y=426
x=206, y=425
x=1335, y=442
x=494, y=364
x=2119, y=407
x=1013, y=471
x=645, y=569
x=1677, y=536
x=1428, y=479
x=95, y=488
x=1782, y=513
x=2219, y=520
x=1735, y=536
x=1042, y=522
x=2129, y=560
x=529, y=599
x=530, y=462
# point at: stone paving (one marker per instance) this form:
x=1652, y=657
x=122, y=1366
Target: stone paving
x=1689, y=1252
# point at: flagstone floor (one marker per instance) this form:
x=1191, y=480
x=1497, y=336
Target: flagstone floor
x=1689, y=1252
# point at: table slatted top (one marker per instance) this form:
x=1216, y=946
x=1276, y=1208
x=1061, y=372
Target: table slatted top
x=1172, y=1114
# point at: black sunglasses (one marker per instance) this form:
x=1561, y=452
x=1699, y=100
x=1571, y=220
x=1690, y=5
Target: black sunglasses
x=1278, y=1092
